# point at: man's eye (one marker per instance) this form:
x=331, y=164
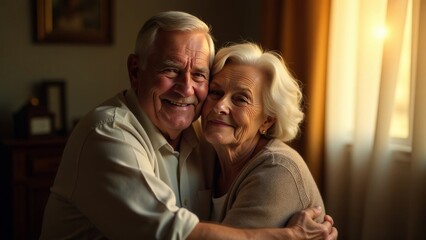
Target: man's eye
x=171, y=72
x=199, y=76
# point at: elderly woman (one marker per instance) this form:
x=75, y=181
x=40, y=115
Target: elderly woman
x=252, y=109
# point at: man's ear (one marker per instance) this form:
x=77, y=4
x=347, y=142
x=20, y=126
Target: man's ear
x=133, y=70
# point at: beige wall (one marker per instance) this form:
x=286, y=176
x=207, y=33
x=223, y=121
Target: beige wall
x=94, y=73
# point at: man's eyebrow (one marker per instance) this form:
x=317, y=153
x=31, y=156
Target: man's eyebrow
x=171, y=63
x=202, y=69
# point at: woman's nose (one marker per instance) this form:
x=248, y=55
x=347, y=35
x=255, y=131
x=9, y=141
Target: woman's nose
x=222, y=106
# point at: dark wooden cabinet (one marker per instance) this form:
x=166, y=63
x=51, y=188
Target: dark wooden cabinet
x=28, y=169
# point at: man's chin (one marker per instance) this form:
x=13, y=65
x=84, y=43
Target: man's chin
x=177, y=121
x=178, y=125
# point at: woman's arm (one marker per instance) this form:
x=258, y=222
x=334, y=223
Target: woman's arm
x=301, y=226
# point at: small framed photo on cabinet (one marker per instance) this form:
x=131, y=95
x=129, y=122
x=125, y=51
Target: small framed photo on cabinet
x=54, y=99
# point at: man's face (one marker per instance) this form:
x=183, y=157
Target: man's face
x=174, y=84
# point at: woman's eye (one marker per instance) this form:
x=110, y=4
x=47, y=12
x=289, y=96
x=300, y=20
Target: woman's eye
x=241, y=100
x=215, y=93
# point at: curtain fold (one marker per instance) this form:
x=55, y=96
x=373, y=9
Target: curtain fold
x=367, y=70
x=417, y=206
x=378, y=181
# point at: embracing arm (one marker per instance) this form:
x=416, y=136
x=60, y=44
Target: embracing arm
x=301, y=226
x=108, y=177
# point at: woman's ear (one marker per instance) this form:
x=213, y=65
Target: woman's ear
x=269, y=121
x=133, y=70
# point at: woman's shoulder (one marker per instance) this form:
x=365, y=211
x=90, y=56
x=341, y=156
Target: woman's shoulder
x=277, y=151
x=278, y=158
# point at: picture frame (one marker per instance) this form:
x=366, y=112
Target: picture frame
x=73, y=21
x=53, y=97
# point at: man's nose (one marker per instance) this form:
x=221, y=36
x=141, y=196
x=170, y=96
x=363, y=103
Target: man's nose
x=184, y=85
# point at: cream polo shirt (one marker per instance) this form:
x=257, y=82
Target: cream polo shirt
x=120, y=179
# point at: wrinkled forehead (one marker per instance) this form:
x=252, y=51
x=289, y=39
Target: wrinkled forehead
x=240, y=74
x=183, y=44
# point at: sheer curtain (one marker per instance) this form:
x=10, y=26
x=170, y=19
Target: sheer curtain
x=375, y=190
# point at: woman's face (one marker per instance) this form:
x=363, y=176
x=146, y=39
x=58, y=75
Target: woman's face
x=233, y=111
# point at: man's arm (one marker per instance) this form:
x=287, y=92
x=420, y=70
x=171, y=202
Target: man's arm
x=301, y=226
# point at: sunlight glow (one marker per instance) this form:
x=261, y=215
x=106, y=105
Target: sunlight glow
x=381, y=32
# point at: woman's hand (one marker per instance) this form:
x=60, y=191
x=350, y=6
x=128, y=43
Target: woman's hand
x=304, y=227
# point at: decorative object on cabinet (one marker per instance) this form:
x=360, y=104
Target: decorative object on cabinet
x=54, y=99
x=28, y=168
x=62, y=21
x=33, y=120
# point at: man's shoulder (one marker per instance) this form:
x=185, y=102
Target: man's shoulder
x=107, y=111
x=114, y=111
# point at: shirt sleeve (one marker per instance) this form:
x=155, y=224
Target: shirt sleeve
x=268, y=195
x=118, y=189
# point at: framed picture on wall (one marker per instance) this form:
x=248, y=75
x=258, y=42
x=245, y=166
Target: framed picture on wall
x=54, y=99
x=73, y=21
